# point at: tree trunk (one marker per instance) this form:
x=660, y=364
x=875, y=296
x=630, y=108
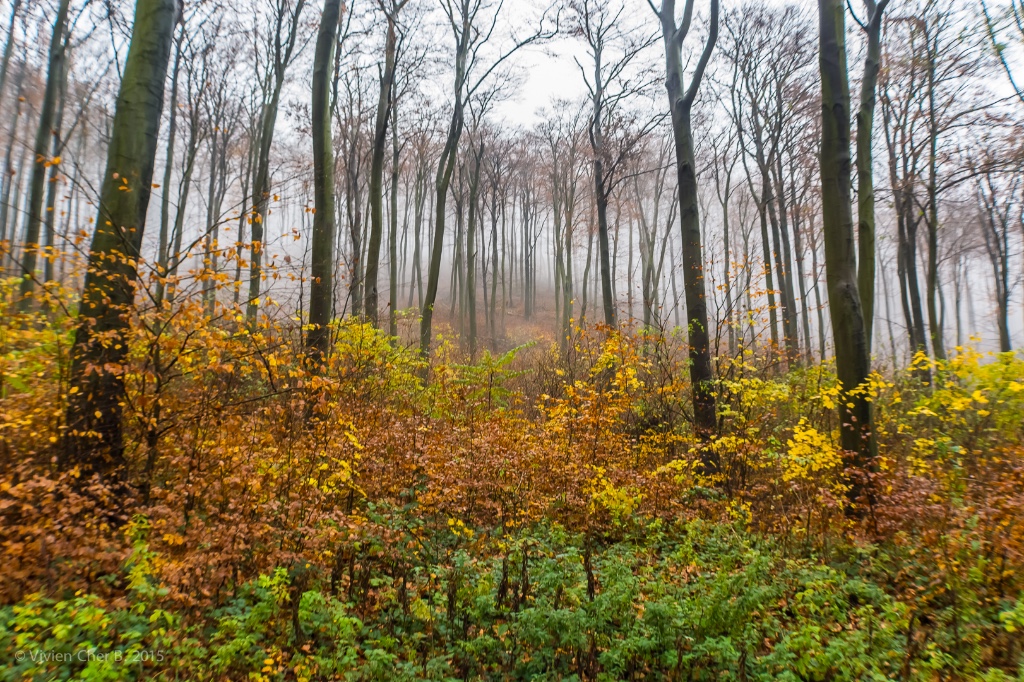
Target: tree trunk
x=284, y=45
x=163, y=256
x=5, y=61
x=49, y=222
x=865, y=176
x=41, y=159
x=385, y=101
x=393, y=286
x=185, y=188
x=211, y=223
x=260, y=201
x=321, y=286
x=94, y=438
x=474, y=185
x=680, y=103
x=607, y=297
x=492, y=317
x=932, y=218
x=849, y=333
x=442, y=180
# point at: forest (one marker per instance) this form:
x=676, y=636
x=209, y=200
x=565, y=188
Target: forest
x=512, y=340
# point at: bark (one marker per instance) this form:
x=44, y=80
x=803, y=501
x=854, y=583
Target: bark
x=569, y=202
x=492, y=317
x=246, y=180
x=211, y=221
x=932, y=217
x=784, y=264
x=586, y=275
x=604, y=256
x=724, y=192
x=417, y=261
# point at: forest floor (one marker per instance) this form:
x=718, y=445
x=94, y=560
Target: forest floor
x=532, y=514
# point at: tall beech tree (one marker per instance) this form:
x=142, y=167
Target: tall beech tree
x=853, y=362
x=93, y=440
x=865, y=175
x=680, y=101
x=614, y=51
x=281, y=44
x=55, y=74
x=385, y=104
x=321, y=286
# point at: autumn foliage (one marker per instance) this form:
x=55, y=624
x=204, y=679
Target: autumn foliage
x=536, y=512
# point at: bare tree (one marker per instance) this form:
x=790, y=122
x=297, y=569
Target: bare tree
x=614, y=50
x=280, y=49
x=680, y=99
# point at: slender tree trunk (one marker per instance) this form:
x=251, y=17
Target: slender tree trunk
x=443, y=178
x=284, y=47
x=817, y=298
x=11, y=176
x=888, y=317
x=769, y=279
x=474, y=185
x=5, y=61
x=384, y=103
x=163, y=256
x=730, y=313
x=321, y=286
x=445, y=168
x=784, y=263
x=629, y=270
x=211, y=222
x=393, y=234
x=567, y=287
x=799, y=257
x=865, y=176
x=932, y=219
x=49, y=222
x=261, y=200
x=185, y=188
x=417, y=260
x=42, y=160
x=493, y=316
x=246, y=180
